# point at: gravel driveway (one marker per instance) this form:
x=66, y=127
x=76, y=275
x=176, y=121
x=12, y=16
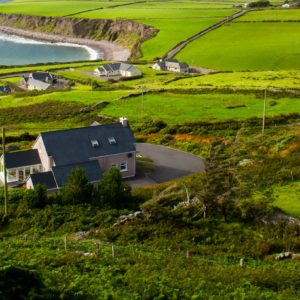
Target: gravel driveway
x=169, y=164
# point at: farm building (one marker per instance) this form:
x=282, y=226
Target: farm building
x=172, y=65
x=118, y=69
x=55, y=154
x=38, y=81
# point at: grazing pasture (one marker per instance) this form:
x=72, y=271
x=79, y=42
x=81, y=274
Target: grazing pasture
x=272, y=15
x=246, y=46
x=242, y=80
x=132, y=13
x=171, y=32
x=181, y=108
x=53, y=8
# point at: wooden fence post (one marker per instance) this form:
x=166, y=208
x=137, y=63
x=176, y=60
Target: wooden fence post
x=242, y=262
x=112, y=250
x=66, y=242
x=187, y=254
x=25, y=237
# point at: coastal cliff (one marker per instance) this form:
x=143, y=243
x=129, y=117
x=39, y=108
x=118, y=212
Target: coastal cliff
x=124, y=33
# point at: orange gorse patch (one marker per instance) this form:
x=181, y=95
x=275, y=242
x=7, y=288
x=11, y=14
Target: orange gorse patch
x=193, y=138
x=288, y=149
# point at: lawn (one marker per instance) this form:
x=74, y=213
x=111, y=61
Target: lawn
x=272, y=15
x=287, y=197
x=246, y=46
x=180, y=108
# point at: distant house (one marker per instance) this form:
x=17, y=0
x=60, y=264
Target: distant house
x=55, y=154
x=5, y=89
x=172, y=65
x=118, y=69
x=38, y=81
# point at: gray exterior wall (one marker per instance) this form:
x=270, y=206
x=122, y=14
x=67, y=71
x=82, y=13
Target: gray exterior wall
x=106, y=162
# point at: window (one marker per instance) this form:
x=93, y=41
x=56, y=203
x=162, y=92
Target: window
x=95, y=143
x=112, y=140
x=123, y=166
x=12, y=174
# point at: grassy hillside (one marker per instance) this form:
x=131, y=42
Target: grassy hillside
x=246, y=46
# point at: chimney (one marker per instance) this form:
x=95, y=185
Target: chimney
x=124, y=122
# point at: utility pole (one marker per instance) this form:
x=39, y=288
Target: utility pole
x=142, y=102
x=264, y=115
x=4, y=172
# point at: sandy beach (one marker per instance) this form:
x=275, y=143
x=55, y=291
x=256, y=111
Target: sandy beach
x=105, y=50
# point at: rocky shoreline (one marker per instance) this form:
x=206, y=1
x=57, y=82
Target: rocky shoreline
x=105, y=50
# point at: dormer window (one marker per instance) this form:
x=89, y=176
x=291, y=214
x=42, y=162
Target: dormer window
x=95, y=143
x=112, y=140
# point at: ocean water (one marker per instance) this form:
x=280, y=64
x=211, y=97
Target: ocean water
x=16, y=50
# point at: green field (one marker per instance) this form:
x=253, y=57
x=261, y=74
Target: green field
x=246, y=46
x=272, y=15
x=171, y=33
x=129, y=12
x=242, y=80
x=53, y=8
x=176, y=108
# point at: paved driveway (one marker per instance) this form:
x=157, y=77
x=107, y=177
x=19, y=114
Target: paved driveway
x=169, y=164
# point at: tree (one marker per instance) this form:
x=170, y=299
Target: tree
x=36, y=198
x=18, y=283
x=113, y=192
x=77, y=190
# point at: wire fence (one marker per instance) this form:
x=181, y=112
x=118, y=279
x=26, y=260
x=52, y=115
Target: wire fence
x=98, y=248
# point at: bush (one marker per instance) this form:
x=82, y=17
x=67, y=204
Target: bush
x=261, y=3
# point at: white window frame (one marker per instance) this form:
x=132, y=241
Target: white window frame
x=126, y=166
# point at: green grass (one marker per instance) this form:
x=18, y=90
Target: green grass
x=272, y=15
x=129, y=12
x=242, y=80
x=246, y=46
x=44, y=67
x=52, y=8
x=175, y=108
x=172, y=32
x=12, y=79
x=287, y=197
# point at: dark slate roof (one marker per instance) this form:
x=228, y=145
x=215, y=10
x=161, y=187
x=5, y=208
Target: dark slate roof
x=183, y=65
x=74, y=145
x=5, y=89
x=91, y=168
x=46, y=77
x=22, y=159
x=171, y=60
x=45, y=178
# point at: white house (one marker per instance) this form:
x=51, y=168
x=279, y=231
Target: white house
x=118, y=69
x=172, y=65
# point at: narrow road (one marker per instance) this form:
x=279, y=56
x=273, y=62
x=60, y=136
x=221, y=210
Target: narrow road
x=182, y=44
